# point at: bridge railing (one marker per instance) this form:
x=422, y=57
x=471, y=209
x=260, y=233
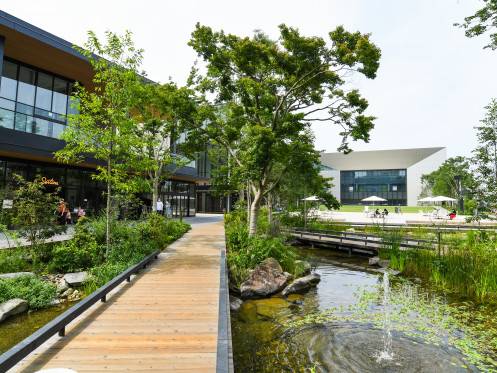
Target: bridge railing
x=58, y=325
x=367, y=239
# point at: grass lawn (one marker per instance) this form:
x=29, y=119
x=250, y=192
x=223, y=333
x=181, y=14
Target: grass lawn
x=360, y=208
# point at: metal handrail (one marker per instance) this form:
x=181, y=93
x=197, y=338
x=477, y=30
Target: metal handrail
x=449, y=227
x=11, y=357
x=404, y=241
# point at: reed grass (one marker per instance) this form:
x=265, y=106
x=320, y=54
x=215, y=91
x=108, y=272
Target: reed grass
x=466, y=264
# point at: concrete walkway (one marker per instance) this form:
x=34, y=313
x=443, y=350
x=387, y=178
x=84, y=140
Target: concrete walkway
x=165, y=320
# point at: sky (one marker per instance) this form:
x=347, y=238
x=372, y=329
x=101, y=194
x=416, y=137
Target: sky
x=431, y=88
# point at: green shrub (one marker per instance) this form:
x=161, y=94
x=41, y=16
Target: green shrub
x=13, y=260
x=244, y=252
x=36, y=292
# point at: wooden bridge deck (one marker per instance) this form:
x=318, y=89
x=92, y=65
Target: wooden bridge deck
x=166, y=319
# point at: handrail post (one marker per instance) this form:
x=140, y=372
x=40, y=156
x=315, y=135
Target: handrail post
x=62, y=332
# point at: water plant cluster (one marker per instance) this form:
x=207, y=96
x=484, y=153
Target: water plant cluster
x=462, y=263
x=423, y=318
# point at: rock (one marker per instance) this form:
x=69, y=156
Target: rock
x=75, y=279
x=302, y=284
x=12, y=307
x=350, y=230
x=296, y=298
x=302, y=267
x=374, y=261
x=55, y=302
x=271, y=307
x=248, y=312
x=66, y=293
x=62, y=287
x=384, y=263
x=16, y=274
x=235, y=303
x=75, y=295
x=266, y=279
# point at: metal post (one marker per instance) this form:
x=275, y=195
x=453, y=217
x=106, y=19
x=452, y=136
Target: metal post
x=62, y=332
x=103, y=299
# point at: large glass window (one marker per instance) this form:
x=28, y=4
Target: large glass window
x=8, y=85
x=44, y=91
x=37, y=100
x=59, y=96
x=7, y=119
x=388, y=184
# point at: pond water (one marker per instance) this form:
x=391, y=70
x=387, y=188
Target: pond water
x=16, y=328
x=344, y=325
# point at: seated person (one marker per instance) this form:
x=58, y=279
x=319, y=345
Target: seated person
x=377, y=212
x=452, y=214
x=385, y=212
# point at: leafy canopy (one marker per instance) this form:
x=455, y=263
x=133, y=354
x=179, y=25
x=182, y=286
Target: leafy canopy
x=483, y=21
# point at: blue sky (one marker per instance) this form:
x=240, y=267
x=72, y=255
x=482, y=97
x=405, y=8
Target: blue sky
x=432, y=84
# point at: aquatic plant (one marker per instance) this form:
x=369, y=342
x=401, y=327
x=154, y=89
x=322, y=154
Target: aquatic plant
x=421, y=317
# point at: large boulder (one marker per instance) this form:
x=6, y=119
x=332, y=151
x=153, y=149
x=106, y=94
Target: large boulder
x=302, y=284
x=374, y=261
x=15, y=274
x=266, y=279
x=75, y=279
x=12, y=307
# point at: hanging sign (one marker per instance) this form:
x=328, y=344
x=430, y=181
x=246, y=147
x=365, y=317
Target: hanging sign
x=46, y=181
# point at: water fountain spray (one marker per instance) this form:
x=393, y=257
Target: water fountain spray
x=386, y=354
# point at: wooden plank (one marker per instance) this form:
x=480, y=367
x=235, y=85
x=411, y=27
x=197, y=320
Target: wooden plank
x=165, y=320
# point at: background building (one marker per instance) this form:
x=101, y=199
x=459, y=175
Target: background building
x=391, y=174
x=38, y=70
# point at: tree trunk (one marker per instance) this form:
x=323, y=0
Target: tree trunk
x=155, y=193
x=249, y=197
x=270, y=213
x=254, y=213
x=107, y=210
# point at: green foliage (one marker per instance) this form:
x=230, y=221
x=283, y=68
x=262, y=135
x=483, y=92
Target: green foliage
x=261, y=96
x=483, y=21
x=245, y=252
x=13, y=260
x=466, y=265
x=36, y=292
x=33, y=214
x=443, y=181
x=485, y=162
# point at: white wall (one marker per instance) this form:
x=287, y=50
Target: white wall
x=414, y=173
x=335, y=175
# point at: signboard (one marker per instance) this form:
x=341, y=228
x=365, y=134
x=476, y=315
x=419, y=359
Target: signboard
x=46, y=181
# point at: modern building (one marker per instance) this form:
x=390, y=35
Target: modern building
x=394, y=175
x=38, y=72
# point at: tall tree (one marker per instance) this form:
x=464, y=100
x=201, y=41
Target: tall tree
x=104, y=127
x=483, y=21
x=443, y=181
x=272, y=90
x=164, y=112
x=485, y=159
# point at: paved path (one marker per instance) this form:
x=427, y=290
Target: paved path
x=6, y=243
x=165, y=320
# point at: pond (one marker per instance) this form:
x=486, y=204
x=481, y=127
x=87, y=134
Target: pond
x=363, y=321
x=16, y=328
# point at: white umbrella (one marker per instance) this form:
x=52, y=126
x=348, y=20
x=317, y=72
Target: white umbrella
x=311, y=198
x=426, y=199
x=373, y=199
x=443, y=199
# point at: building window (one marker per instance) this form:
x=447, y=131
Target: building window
x=44, y=91
x=7, y=119
x=26, y=89
x=8, y=87
x=394, y=188
x=351, y=188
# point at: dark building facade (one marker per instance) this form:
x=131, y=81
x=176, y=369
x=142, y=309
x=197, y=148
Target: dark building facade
x=38, y=70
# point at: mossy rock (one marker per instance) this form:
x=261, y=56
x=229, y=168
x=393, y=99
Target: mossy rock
x=271, y=307
x=248, y=312
x=295, y=298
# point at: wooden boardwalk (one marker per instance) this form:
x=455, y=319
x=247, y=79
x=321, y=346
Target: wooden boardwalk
x=165, y=320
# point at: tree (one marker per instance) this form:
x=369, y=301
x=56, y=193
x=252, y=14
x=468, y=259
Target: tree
x=270, y=91
x=33, y=213
x=485, y=160
x=443, y=181
x=104, y=127
x=483, y=21
x=163, y=111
